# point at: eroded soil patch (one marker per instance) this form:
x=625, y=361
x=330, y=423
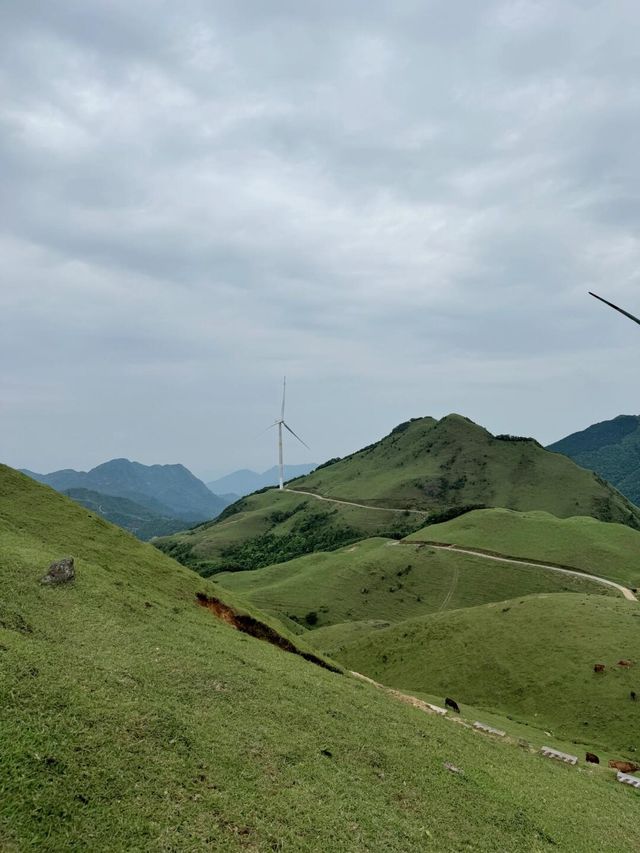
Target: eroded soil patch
x=248, y=625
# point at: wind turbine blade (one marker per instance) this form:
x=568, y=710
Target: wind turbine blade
x=284, y=390
x=266, y=429
x=615, y=308
x=295, y=436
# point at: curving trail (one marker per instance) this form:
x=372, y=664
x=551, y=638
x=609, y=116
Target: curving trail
x=626, y=592
x=362, y=506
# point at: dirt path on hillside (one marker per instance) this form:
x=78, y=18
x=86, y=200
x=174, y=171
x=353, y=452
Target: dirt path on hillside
x=361, y=506
x=452, y=589
x=500, y=558
x=515, y=562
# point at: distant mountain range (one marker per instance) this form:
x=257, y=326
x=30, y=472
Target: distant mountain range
x=137, y=519
x=148, y=500
x=611, y=449
x=244, y=482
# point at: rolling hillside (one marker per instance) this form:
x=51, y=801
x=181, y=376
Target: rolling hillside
x=611, y=449
x=379, y=582
x=278, y=525
x=531, y=657
x=133, y=719
x=170, y=490
x=609, y=550
x=434, y=468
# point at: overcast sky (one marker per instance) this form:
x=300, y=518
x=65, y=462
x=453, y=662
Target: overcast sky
x=401, y=205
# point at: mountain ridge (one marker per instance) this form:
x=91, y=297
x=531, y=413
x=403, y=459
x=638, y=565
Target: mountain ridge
x=164, y=489
x=609, y=448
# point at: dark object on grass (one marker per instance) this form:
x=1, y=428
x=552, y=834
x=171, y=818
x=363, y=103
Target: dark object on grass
x=61, y=571
x=624, y=766
x=451, y=703
x=326, y=752
x=626, y=663
x=632, y=695
x=592, y=758
x=598, y=667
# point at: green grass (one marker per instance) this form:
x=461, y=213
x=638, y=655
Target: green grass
x=609, y=550
x=530, y=657
x=432, y=466
x=275, y=526
x=435, y=465
x=132, y=719
x=381, y=580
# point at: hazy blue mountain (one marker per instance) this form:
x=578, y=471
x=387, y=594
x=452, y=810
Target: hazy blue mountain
x=166, y=490
x=137, y=519
x=244, y=482
x=611, y=449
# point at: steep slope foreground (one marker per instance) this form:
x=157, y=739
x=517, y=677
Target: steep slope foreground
x=424, y=471
x=133, y=719
x=611, y=449
x=166, y=490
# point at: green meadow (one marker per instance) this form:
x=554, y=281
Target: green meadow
x=387, y=581
x=608, y=550
x=133, y=719
x=529, y=657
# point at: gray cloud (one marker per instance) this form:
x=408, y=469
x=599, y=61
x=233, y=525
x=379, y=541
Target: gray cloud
x=400, y=205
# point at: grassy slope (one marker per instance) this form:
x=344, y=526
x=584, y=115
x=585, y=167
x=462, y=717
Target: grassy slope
x=425, y=464
x=133, y=720
x=530, y=657
x=608, y=550
x=612, y=449
x=452, y=462
x=238, y=540
x=380, y=580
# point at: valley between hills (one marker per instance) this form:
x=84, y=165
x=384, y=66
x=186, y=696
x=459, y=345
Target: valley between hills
x=275, y=678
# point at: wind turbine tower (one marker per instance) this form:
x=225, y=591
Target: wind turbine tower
x=280, y=423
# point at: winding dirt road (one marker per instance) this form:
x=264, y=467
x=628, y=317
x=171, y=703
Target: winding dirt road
x=626, y=592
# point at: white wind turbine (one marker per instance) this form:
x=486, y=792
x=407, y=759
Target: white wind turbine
x=281, y=423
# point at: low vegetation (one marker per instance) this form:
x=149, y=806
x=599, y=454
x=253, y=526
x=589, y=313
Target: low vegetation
x=532, y=658
x=134, y=719
x=607, y=550
x=380, y=580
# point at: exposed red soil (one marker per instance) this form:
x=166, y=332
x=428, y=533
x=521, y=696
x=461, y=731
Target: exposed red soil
x=248, y=625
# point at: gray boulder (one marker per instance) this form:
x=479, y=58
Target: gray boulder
x=61, y=571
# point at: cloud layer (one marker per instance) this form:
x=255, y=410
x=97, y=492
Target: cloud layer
x=401, y=206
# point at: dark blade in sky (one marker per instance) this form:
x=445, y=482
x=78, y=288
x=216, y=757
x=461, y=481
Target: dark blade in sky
x=615, y=307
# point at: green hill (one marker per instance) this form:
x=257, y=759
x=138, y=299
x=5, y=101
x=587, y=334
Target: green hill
x=611, y=449
x=133, y=719
x=438, y=468
x=608, y=550
x=531, y=657
x=435, y=465
x=381, y=581
x=131, y=516
x=273, y=526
